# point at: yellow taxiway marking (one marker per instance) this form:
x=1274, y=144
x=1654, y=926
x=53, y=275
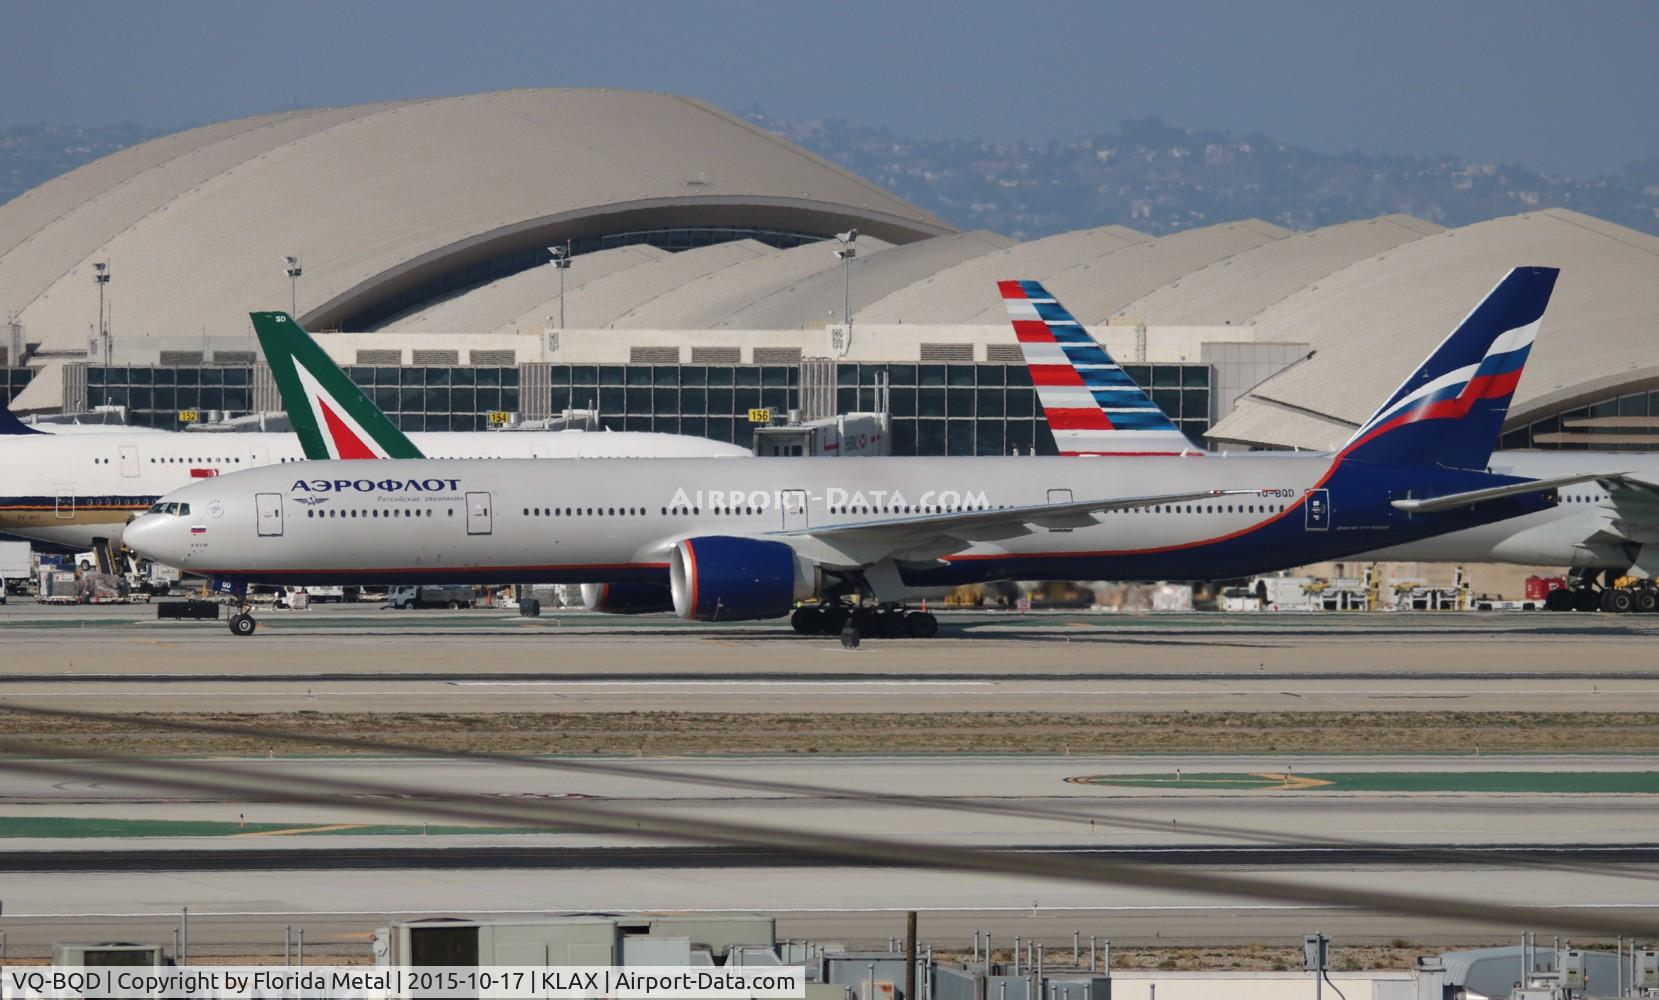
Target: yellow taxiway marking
x=302, y=829
x=1294, y=782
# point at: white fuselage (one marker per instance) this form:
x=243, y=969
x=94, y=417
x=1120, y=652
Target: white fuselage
x=72, y=490
x=615, y=520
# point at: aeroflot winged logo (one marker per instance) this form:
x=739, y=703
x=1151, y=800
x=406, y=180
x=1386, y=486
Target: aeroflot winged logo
x=331, y=415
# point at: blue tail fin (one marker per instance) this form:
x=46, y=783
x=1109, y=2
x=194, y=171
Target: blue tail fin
x=1450, y=410
x=10, y=425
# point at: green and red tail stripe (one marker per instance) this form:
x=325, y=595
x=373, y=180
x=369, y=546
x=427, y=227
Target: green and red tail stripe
x=331, y=415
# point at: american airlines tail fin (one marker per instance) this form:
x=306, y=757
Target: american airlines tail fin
x=10, y=425
x=1450, y=410
x=331, y=415
x=1092, y=406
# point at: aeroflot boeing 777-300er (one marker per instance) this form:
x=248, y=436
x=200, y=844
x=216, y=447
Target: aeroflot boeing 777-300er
x=729, y=541
x=79, y=490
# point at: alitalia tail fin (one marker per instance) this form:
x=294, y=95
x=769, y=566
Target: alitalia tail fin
x=1450, y=410
x=331, y=415
x=1093, y=407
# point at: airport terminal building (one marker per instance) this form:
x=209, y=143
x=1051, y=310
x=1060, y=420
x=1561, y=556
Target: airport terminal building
x=703, y=284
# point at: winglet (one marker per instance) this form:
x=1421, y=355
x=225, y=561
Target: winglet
x=331, y=415
x=1093, y=407
x=1450, y=410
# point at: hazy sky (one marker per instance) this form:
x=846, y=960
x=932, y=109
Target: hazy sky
x=1563, y=86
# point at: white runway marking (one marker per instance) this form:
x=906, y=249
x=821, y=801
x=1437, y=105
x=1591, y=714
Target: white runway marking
x=732, y=683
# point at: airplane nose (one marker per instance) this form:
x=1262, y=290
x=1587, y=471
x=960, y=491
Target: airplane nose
x=146, y=534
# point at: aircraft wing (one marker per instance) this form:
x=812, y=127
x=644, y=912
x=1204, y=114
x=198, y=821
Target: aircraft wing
x=919, y=536
x=1451, y=501
x=1634, y=508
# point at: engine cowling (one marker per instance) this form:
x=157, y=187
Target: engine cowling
x=724, y=578
x=627, y=598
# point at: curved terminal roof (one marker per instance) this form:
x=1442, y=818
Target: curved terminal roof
x=520, y=302
x=967, y=293
x=1095, y=290
x=816, y=300
x=1371, y=323
x=710, y=300
x=1233, y=290
x=384, y=201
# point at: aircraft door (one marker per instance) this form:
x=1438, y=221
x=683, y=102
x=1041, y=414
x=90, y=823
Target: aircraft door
x=478, y=514
x=1318, y=510
x=268, y=514
x=129, y=461
x=1059, y=496
x=794, y=510
x=65, y=509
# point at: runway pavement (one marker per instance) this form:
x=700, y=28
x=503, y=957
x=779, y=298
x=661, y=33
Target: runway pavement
x=235, y=860
x=355, y=660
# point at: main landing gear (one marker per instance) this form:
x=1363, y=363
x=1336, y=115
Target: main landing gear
x=242, y=622
x=1582, y=595
x=852, y=623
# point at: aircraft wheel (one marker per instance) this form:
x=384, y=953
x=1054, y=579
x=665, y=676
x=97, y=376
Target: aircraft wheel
x=807, y=620
x=892, y=624
x=1558, y=600
x=1586, y=599
x=242, y=624
x=1647, y=601
x=921, y=625
x=1619, y=602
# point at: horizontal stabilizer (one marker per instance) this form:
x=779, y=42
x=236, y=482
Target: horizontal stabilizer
x=1452, y=501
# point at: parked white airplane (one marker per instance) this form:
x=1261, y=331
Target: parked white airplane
x=1606, y=527
x=79, y=490
x=730, y=541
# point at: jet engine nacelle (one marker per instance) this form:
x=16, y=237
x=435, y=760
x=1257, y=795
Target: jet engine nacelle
x=723, y=578
x=627, y=598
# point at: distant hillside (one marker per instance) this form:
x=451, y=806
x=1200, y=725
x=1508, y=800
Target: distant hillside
x=1154, y=177
x=34, y=154
x=1158, y=178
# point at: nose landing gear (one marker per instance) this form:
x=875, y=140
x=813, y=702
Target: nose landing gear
x=242, y=623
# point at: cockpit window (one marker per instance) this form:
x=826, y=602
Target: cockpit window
x=184, y=510
x=157, y=508
x=181, y=509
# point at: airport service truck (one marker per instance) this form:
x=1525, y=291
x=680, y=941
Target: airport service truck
x=16, y=567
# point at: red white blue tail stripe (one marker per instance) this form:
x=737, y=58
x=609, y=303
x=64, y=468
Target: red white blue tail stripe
x=1093, y=407
x=1455, y=404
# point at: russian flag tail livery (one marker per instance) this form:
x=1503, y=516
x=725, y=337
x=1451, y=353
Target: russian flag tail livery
x=10, y=425
x=1450, y=410
x=1092, y=406
x=331, y=415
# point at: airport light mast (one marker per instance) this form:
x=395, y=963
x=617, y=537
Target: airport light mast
x=291, y=267
x=845, y=255
x=561, y=261
x=100, y=274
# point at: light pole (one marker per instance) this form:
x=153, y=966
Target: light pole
x=846, y=255
x=561, y=261
x=291, y=267
x=100, y=274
